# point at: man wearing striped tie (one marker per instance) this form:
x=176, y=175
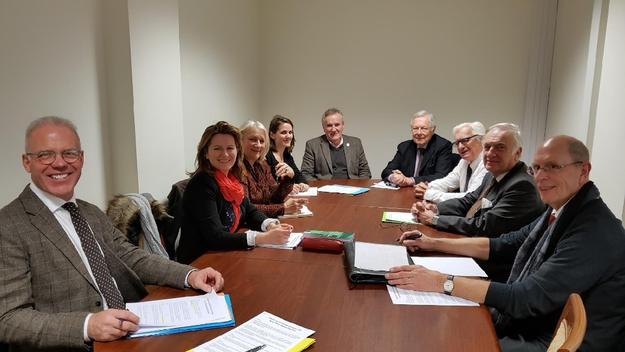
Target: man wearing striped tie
x=65, y=271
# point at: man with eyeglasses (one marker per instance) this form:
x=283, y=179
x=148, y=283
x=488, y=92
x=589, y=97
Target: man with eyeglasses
x=425, y=157
x=467, y=175
x=576, y=245
x=65, y=271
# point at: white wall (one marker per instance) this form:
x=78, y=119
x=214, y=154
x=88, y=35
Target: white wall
x=157, y=94
x=381, y=61
x=219, y=43
x=51, y=64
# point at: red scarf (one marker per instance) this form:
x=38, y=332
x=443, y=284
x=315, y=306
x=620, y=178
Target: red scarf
x=232, y=190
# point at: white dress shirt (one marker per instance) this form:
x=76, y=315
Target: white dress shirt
x=443, y=188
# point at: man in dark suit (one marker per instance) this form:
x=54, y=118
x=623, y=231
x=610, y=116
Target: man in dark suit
x=506, y=200
x=577, y=245
x=334, y=155
x=65, y=271
x=426, y=157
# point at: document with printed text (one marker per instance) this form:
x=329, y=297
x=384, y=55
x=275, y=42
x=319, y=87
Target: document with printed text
x=417, y=298
x=457, y=266
x=294, y=239
x=265, y=329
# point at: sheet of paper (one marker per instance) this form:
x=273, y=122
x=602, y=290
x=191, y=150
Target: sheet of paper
x=180, y=312
x=277, y=334
x=415, y=298
x=312, y=192
x=342, y=189
x=375, y=256
x=398, y=217
x=383, y=185
x=294, y=239
x=451, y=265
x=302, y=213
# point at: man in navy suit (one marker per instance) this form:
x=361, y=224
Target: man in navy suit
x=426, y=157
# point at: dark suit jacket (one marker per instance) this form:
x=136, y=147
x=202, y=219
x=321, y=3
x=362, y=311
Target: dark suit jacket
x=436, y=162
x=45, y=289
x=584, y=255
x=515, y=203
x=317, y=163
x=203, y=218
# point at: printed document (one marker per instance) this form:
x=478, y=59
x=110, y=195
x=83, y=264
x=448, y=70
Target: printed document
x=381, y=257
x=398, y=217
x=458, y=266
x=294, y=239
x=417, y=298
x=343, y=189
x=312, y=192
x=265, y=329
x=303, y=212
x=385, y=185
x=180, y=312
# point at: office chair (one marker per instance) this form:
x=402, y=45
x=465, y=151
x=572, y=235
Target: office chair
x=571, y=327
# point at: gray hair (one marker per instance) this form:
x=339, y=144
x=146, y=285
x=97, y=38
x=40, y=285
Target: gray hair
x=247, y=128
x=511, y=128
x=424, y=113
x=49, y=120
x=330, y=111
x=476, y=128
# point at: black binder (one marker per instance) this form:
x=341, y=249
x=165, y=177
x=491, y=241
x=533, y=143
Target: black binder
x=362, y=276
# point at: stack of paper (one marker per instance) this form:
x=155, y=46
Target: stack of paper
x=417, y=298
x=265, y=331
x=169, y=316
x=294, y=239
x=379, y=257
x=303, y=212
x=457, y=266
x=351, y=190
x=396, y=217
x=312, y=192
x=385, y=185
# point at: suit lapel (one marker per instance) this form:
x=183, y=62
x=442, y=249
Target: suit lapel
x=41, y=217
x=325, y=150
x=348, y=154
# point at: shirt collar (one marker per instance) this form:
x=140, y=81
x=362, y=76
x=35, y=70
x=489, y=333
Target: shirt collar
x=557, y=212
x=500, y=177
x=336, y=146
x=475, y=163
x=51, y=202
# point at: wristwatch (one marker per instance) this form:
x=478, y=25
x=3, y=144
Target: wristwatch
x=434, y=220
x=448, y=286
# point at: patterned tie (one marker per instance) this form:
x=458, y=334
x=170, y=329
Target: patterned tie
x=417, y=163
x=478, y=203
x=466, y=181
x=96, y=260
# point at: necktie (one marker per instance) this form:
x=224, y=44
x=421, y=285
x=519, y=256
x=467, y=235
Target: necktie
x=417, y=162
x=466, y=182
x=552, y=218
x=478, y=203
x=95, y=257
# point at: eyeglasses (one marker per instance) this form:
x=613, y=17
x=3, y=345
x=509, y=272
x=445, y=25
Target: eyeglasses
x=464, y=141
x=533, y=170
x=47, y=157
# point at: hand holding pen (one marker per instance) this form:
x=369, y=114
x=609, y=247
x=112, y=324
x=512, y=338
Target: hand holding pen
x=415, y=240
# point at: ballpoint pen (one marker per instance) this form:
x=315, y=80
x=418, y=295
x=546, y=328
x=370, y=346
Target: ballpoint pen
x=256, y=349
x=412, y=236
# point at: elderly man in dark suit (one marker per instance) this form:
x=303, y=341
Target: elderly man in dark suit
x=577, y=245
x=334, y=155
x=426, y=157
x=506, y=200
x=65, y=271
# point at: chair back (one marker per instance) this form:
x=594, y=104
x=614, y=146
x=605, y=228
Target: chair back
x=571, y=327
x=174, y=208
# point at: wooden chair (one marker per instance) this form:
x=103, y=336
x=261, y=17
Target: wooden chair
x=571, y=327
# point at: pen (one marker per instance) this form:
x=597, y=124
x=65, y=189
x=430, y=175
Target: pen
x=412, y=236
x=256, y=349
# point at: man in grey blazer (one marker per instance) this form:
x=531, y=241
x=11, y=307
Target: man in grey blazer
x=334, y=155
x=62, y=277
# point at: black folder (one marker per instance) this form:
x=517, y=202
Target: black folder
x=362, y=276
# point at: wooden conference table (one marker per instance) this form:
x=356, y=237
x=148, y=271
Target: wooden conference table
x=312, y=290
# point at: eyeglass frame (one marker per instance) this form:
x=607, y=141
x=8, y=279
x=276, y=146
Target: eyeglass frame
x=550, y=168
x=464, y=140
x=53, y=155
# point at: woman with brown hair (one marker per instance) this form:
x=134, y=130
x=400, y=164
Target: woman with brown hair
x=214, y=204
x=282, y=142
x=260, y=187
